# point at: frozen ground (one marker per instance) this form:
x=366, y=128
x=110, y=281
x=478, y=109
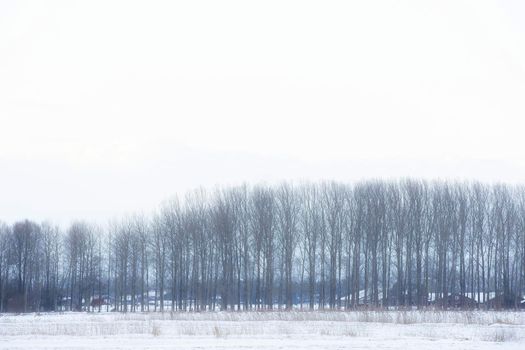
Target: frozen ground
x=265, y=330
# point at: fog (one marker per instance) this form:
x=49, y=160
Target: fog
x=110, y=107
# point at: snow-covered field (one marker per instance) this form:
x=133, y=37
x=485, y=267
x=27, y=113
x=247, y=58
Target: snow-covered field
x=265, y=330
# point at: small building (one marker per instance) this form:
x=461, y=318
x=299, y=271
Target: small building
x=456, y=301
x=506, y=301
x=102, y=301
x=15, y=303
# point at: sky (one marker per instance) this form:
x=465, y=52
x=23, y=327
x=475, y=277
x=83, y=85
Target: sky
x=110, y=107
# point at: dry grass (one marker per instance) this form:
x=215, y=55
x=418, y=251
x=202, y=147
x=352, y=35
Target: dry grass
x=396, y=317
x=501, y=335
x=482, y=325
x=155, y=330
x=219, y=332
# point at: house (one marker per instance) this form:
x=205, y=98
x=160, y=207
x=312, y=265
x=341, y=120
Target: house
x=15, y=303
x=96, y=302
x=456, y=301
x=506, y=301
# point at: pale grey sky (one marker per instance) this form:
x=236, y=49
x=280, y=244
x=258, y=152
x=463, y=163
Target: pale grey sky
x=108, y=107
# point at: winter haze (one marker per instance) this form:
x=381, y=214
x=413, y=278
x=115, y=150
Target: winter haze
x=110, y=107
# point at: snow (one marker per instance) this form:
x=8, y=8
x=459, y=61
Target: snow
x=265, y=330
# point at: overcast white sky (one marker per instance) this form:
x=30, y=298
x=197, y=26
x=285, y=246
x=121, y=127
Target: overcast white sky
x=108, y=107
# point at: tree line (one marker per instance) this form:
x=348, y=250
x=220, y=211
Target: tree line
x=328, y=245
